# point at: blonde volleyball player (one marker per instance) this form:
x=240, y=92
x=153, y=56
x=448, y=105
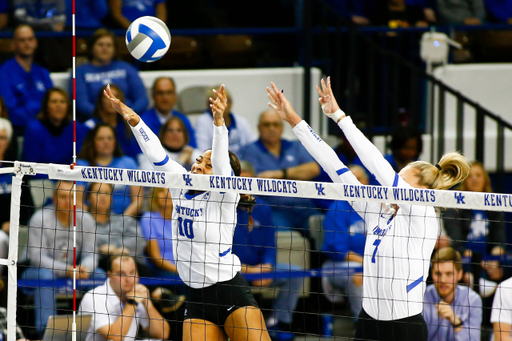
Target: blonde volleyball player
x=220, y=302
x=400, y=238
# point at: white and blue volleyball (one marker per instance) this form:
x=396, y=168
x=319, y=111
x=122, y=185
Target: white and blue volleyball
x=148, y=39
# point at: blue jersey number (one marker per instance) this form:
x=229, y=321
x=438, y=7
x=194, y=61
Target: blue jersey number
x=376, y=244
x=185, y=225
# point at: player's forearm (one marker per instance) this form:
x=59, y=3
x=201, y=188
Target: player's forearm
x=220, y=154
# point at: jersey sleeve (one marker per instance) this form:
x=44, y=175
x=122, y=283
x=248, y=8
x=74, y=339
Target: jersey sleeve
x=328, y=160
x=153, y=149
x=220, y=153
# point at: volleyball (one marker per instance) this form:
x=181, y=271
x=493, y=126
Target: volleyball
x=148, y=39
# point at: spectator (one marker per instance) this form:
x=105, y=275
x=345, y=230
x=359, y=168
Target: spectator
x=501, y=315
x=157, y=229
x=254, y=242
x=103, y=112
x=89, y=14
x=50, y=250
x=358, y=11
x=175, y=140
x=451, y=311
x=115, y=233
x=103, y=69
x=461, y=12
x=476, y=230
x=240, y=131
x=24, y=83
x=406, y=146
x=122, y=305
x=101, y=149
x=499, y=11
x=276, y=158
x=164, y=97
x=396, y=13
x=48, y=15
x=344, y=239
x=428, y=6
x=125, y=11
x=49, y=138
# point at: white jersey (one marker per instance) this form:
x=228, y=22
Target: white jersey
x=502, y=304
x=203, y=224
x=398, y=246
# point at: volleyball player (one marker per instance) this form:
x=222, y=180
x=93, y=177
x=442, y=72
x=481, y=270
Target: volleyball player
x=400, y=238
x=221, y=304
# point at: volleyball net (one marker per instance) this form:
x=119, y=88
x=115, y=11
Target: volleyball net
x=300, y=243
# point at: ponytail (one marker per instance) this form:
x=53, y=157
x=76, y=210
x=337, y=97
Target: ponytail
x=452, y=169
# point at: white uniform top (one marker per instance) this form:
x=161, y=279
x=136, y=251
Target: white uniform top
x=106, y=307
x=398, y=247
x=502, y=304
x=203, y=224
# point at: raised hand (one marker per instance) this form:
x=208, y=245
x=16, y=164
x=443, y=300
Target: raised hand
x=129, y=115
x=327, y=100
x=282, y=106
x=218, y=105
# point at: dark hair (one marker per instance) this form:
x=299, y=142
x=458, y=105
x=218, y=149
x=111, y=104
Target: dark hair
x=3, y=109
x=404, y=134
x=123, y=255
x=98, y=106
x=88, y=151
x=44, y=114
x=99, y=33
x=158, y=79
x=163, y=129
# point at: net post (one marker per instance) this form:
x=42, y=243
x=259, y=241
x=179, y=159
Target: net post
x=12, y=267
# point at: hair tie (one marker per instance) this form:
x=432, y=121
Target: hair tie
x=438, y=167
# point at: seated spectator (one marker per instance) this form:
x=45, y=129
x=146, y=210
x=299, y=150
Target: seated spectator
x=451, y=311
x=49, y=15
x=499, y=11
x=428, y=6
x=276, y=158
x=254, y=242
x=101, y=149
x=164, y=97
x=103, y=69
x=50, y=250
x=344, y=239
x=358, y=11
x=501, y=315
x=175, y=140
x=115, y=233
x=240, y=131
x=24, y=83
x=89, y=15
x=396, y=13
x=461, y=12
x=125, y=11
x=122, y=305
x=156, y=227
x=406, y=146
x=476, y=230
x=49, y=138
x=103, y=112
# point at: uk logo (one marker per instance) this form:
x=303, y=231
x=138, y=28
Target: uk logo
x=459, y=197
x=187, y=179
x=320, y=189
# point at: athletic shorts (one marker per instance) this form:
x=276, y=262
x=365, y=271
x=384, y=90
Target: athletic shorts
x=216, y=302
x=412, y=328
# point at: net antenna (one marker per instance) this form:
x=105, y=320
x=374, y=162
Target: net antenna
x=73, y=325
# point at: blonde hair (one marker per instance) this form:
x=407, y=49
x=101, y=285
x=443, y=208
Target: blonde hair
x=487, y=185
x=448, y=254
x=452, y=169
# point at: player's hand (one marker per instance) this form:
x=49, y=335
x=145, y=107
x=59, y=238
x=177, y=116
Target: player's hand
x=129, y=115
x=445, y=311
x=279, y=103
x=218, y=106
x=328, y=102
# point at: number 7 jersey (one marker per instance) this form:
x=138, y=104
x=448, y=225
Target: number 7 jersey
x=203, y=224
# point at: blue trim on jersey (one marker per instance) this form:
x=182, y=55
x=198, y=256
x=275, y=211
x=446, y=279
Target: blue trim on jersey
x=163, y=162
x=414, y=284
x=342, y=171
x=395, y=182
x=227, y=251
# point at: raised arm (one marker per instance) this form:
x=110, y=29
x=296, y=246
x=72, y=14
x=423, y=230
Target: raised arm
x=220, y=144
x=147, y=140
